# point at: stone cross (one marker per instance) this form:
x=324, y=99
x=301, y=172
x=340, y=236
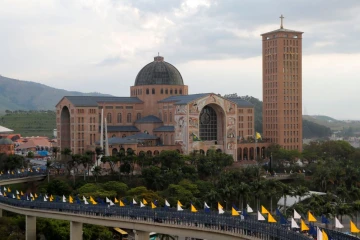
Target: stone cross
x=281, y=17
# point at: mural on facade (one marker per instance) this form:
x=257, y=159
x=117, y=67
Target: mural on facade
x=193, y=122
x=180, y=131
x=181, y=109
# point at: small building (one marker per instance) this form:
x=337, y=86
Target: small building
x=6, y=146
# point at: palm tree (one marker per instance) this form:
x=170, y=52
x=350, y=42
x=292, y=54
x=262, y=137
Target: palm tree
x=226, y=193
x=48, y=166
x=96, y=172
x=85, y=161
x=90, y=163
x=272, y=190
x=343, y=209
x=286, y=190
x=242, y=190
x=212, y=196
x=356, y=208
x=257, y=188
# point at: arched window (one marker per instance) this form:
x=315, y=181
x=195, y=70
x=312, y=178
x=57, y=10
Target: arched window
x=171, y=91
x=128, y=119
x=166, y=91
x=109, y=118
x=170, y=116
x=147, y=91
x=162, y=91
x=165, y=117
x=124, y=135
x=119, y=118
x=208, y=124
x=180, y=91
x=138, y=116
x=153, y=91
x=175, y=91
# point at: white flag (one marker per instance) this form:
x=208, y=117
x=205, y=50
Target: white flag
x=205, y=205
x=111, y=203
x=17, y=192
x=179, y=208
x=141, y=204
x=8, y=172
x=134, y=202
x=14, y=196
x=1, y=193
x=249, y=209
x=18, y=172
x=5, y=189
x=294, y=224
x=260, y=217
x=167, y=203
x=84, y=199
x=338, y=223
x=86, y=202
x=45, y=199
x=46, y=196
x=319, y=234
x=107, y=200
x=221, y=211
x=296, y=215
x=31, y=195
x=27, y=198
x=64, y=198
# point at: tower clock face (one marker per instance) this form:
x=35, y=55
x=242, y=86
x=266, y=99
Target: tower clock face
x=205, y=118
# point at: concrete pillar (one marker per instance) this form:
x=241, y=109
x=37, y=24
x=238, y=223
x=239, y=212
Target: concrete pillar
x=30, y=228
x=76, y=231
x=140, y=235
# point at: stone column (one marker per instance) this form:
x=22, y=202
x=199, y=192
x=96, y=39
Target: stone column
x=30, y=228
x=76, y=230
x=140, y=235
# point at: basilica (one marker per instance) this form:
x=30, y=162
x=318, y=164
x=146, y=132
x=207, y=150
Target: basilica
x=160, y=115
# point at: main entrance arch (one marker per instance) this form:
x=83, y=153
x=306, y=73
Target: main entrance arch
x=65, y=128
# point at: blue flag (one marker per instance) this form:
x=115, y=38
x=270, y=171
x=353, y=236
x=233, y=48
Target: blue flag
x=278, y=213
x=312, y=229
x=283, y=220
x=324, y=220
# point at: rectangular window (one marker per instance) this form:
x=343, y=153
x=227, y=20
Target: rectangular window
x=129, y=107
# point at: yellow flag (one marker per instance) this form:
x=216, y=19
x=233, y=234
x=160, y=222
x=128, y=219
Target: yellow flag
x=303, y=226
x=94, y=202
x=264, y=210
x=219, y=206
x=12, y=172
x=71, y=200
x=116, y=201
x=153, y=205
x=311, y=218
x=258, y=136
x=144, y=201
x=33, y=199
x=36, y=195
x=121, y=203
x=324, y=235
x=18, y=197
x=179, y=203
x=91, y=199
x=271, y=219
x=9, y=189
x=353, y=228
x=193, y=209
x=51, y=199
x=234, y=212
x=2, y=173
x=4, y=194
x=21, y=193
x=31, y=170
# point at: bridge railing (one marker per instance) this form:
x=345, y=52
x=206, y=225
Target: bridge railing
x=214, y=221
x=21, y=175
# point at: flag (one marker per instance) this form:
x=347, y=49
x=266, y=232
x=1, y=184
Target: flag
x=1, y=193
x=338, y=223
x=144, y=201
x=46, y=196
x=264, y=210
x=278, y=213
x=36, y=195
x=257, y=136
x=5, y=189
x=311, y=217
x=205, y=205
x=111, y=203
x=121, y=204
x=141, y=204
x=9, y=190
x=319, y=235
x=219, y=206
x=353, y=228
x=167, y=204
x=283, y=220
x=221, y=211
x=31, y=195
x=271, y=219
x=45, y=199
x=260, y=217
x=71, y=200
x=296, y=215
x=294, y=224
x=324, y=220
x=312, y=230
x=179, y=203
x=244, y=213
x=134, y=202
x=64, y=199
x=13, y=196
x=249, y=209
x=193, y=209
x=17, y=197
x=234, y=212
x=304, y=227
x=85, y=202
x=107, y=200
x=153, y=205
x=116, y=201
x=17, y=192
x=179, y=207
x=21, y=193
x=4, y=194
x=324, y=235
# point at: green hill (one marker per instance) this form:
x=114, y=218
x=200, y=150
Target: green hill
x=24, y=95
x=32, y=123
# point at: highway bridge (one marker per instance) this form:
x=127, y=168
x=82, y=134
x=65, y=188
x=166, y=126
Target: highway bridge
x=211, y=226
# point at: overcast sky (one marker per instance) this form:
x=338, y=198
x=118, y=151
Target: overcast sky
x=101, y=45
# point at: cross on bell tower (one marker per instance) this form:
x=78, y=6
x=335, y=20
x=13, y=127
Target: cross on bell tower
x=281, y=24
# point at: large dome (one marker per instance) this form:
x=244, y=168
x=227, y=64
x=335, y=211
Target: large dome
x=159, y=72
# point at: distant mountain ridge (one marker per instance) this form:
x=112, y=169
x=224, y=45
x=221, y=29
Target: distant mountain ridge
x=27, y=95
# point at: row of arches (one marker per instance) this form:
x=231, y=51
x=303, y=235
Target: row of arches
x=250, y=154
x=119, y=118
x=148, y=91
x=141, y=153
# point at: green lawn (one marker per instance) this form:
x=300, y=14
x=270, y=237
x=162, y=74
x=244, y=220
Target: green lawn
x=30, y=123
